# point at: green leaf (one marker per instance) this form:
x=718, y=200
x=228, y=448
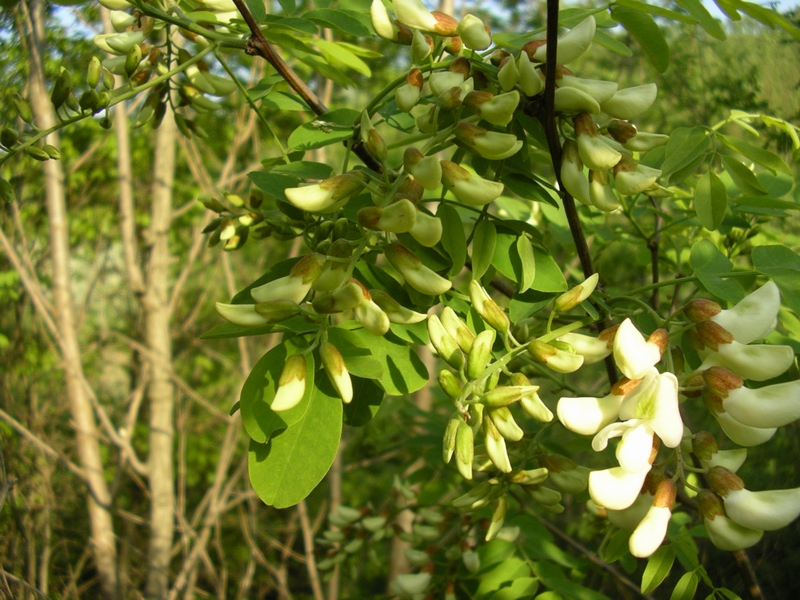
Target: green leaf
x=401, y=370
x=287, y=5
x=707, y=22
x=453, y=239
x=742, y=177
x=655, y=10
x=286, y=469
x=344, y=20
x=257, y=9
x=521, y=587
x=765, y=158
x=554, y=578
x=505, y=259
x=367, y=398
x=709, y=264
x=337, y=54
x=710, y=201
x=616, y=546
x=549, y=277
x=483, y=243
x=611, y=43
x=728, y=8
x=528, y=304
x=729, y=594
x=782, y=265
x=528, y=260
x=258, y=391
x=657, y=569
x=6, y=191
x=685, y=145
x=304, y=169
x=273, y=184
x=501, y=575
x=686, y=587
x=527, y=188
x=284, y=101
x=332, y=127
x=644, y=30
x=769, y=17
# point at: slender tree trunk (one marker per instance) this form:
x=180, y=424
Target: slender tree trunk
x=159, y=343
x=101, y=537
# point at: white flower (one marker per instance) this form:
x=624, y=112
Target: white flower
x=634, y=355
x=742, y=434
x=766, y=407
x=758, y=362
x=587, y=416
x=767, y=510
x=728, y=535
x=591, y=348
x=754, y=317
x=649, y=534
x=616, y=488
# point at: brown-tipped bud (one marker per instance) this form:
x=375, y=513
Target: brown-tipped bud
x=416, y=274
x=665, y=495
x=445, y=24
x=421, y=46
x=700, y=309
x=465, y=449
x=631, y=178
x=498, y=56
x=395, y=218
x=660, y=337
x=496, y=109
x=710, y=505
x=712, y=335
x=291, y=385
x=723, y=481
x=652, y=480
x=452, y=45
x=531, y=47
x=556, y=463
x=693, y=381
x=445, y=345
x=474, y=33
x=336, y=370
x=277, y=310
x=572, y=298
x=461, y=65
x=555, y=358
x=620, y=130
x=721, y=381
x=704, y=445
x=480, y=353
x=458, y=329
x=449, y=440
x=308, y=268
x=488, y=308
x=407, y=95
x=348, y=296
x=712, y=402
x=508, y=73
x=654, y=450
x=450, y=99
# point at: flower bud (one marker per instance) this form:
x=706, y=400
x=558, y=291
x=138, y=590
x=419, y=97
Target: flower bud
x=474, y=34
x=554, y=358
x=649, y=534
x=382, y=23
x=465, y=449
x=576, y=295
x=417, y=275
x=348, y=296
x=488, y=308
x=468, y=188
x=444, y=343
x=594, y=151
x=705, y=448
x=480, y=495
x=767, y=510
x=118, y=43
x=700, y=309
x=326, y=196
x=397, y=312
x=294, y=286
x=488, y=144
x=572, y=100
x=572, y=44
x=504, y=421
x=505, y=395
x=631, y=178
x=371, y=316
x=407, y=95
x=414, y=14
x=336, y=370
x=449, y=441
x=591, y=348
x=544, y=495
x=737, y=432
x=534, y=407
x=458, y=329
x=496, y=109
x=530, y=79
x=572, y=176
x=480, y=353
x=245, y=315
x=277, y=310
x=621, y=131
x=508, y=74
x=724, y=533
x=631, y=102
x=441, y=81
x=398, y=217
x=427, y=229
x=496, y=446
x=450, y=384
x=600, y=91
x=644, y=142
x=421, y=46
x=426, y=170
x=291, y=385
x=498, y=517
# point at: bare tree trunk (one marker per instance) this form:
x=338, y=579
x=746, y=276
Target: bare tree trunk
x=159, y=343
x=83, y=420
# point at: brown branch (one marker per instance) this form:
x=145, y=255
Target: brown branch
x=258, y=45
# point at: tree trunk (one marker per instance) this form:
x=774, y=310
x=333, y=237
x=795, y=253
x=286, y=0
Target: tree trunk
x=159, y=345
x=101, y=538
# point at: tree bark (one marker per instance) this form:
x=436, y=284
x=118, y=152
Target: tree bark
x=101, y=537
x=159, y=342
